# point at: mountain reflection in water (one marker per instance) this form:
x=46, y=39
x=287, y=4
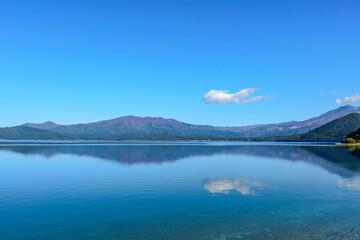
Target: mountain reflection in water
x=344, y=161
x=172, y=190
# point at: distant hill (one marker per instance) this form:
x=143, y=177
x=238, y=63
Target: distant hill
x=355, y=134
x=46, y=125
x=158, y=125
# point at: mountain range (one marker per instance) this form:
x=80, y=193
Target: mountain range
x=158, y=125
x=157, y=128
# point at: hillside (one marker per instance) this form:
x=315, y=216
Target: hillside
x=292, y=127
x=158, y=125
x=335, y=131
x=26, y=133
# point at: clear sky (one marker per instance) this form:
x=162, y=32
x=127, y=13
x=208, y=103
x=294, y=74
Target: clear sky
x=74, y=61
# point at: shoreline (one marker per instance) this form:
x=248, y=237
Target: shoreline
x=348, y=144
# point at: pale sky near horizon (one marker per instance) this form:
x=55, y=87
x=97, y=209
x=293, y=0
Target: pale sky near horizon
x=227, y=63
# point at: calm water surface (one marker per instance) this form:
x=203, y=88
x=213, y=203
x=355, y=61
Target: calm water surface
x=189, y=191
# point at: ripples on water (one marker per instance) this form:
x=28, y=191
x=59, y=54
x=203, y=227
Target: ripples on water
x=179, y=191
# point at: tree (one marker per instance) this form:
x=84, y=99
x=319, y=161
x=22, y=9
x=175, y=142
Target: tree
x=350, y=140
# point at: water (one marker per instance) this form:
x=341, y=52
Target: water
x=189, y=191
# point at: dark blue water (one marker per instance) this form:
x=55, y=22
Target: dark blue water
x=179, y=191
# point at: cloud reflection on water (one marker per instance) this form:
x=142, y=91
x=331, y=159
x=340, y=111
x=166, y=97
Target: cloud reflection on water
x=350, y=184
x=245, y=186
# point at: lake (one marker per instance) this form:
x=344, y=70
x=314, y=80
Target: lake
x=178, y=190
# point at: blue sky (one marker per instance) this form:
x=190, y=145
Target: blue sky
x=83, y=61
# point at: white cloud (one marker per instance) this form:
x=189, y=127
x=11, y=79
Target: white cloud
x=352, y=99
x=257, y=98
x=223, y=96
x=244, y=186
